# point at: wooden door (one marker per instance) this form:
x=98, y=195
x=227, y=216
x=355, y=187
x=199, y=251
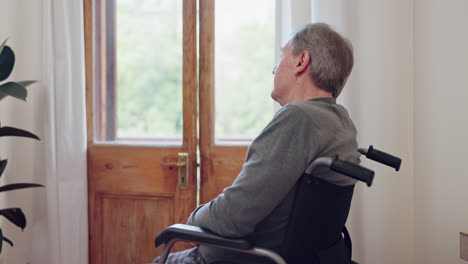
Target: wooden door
x=134, y=190
x=132, y=196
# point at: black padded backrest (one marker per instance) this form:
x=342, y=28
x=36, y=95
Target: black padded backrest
x=318, y=216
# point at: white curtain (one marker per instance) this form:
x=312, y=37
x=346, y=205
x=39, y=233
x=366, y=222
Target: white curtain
x=47, y=37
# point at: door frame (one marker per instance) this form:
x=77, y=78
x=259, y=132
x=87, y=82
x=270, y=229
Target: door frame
x=219, y=164
x=105, y=158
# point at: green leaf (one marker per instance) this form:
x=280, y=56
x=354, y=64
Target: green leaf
x=16, y=186
x=13, y=89
x=3, y=238
x=16, y=132
x=7, y=62
x=3, y=164
x=15, y=215
x=7, y=240
x=26, y=83
x=3, y=45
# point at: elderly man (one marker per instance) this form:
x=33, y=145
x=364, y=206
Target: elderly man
x=312, y=71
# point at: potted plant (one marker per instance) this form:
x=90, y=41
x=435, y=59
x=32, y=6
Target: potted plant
x=15, y=90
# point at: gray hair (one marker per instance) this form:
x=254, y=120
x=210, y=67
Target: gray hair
x=331, y=54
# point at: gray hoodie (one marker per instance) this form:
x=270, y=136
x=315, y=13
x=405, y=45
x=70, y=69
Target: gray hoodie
x=259, y=201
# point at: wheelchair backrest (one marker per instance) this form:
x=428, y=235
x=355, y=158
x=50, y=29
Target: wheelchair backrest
x=317, y=219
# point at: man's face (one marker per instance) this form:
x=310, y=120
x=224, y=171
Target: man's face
x=284, y=73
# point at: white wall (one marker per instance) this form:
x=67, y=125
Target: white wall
x=408, y=95
x=379, y=98
x=441, y=128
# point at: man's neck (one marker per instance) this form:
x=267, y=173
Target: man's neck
x=316, y=93
x=307, y=90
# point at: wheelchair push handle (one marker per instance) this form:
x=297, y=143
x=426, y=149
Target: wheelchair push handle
x=352, y=170
x=382, y=157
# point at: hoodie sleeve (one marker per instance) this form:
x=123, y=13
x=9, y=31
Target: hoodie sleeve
x=275, y=161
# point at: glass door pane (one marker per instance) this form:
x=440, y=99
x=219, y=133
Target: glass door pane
x=149, y=70
x=244, y=59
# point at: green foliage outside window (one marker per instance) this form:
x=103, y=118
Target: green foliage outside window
x=149, y=57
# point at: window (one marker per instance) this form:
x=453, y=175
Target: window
x=139, y=69
x=244, y=59
x=139, y=73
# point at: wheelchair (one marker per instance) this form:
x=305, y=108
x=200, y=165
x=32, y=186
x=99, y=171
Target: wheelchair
x=309, y=239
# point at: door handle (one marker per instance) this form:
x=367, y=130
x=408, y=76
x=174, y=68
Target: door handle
x=182, y=169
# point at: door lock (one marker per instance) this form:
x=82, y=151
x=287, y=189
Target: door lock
x=182, y=169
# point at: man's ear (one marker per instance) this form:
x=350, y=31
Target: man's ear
x=302, y=62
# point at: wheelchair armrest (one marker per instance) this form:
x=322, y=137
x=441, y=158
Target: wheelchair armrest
x=199, y=235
